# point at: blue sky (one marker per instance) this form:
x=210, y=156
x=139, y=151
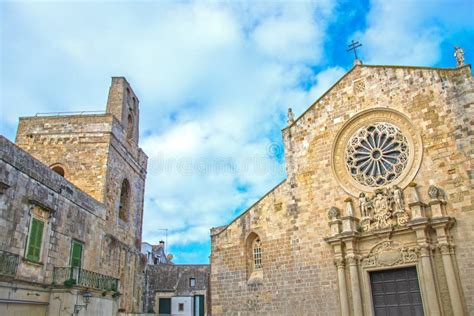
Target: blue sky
x=214, y=78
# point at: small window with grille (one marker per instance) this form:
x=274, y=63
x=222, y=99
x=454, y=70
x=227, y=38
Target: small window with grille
x=257, y=254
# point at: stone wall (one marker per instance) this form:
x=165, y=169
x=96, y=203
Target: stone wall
x=80, y=144
x=97, y=152
x=167, y=280
x=299, y=275
x=32, y=187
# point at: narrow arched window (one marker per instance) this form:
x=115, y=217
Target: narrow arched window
x=124, y=200
x=130, y=126
x=257, y=254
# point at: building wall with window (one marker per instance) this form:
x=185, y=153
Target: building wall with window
x=65, y=176
x=168, y=285
x=48, y=225
x=378, y=195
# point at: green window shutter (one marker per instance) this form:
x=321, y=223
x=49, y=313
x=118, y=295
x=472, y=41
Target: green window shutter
x=76, y=254
x=35, y=240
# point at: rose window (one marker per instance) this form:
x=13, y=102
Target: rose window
x=377, y=154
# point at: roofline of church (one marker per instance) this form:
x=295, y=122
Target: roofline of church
x=224, y=227
x=371, y=66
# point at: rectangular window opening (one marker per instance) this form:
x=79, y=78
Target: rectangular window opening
x=35, y=240
x=257, y=255
x=76, y=254
x=192, y=282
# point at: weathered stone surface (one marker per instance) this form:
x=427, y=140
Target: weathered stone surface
x=166, y=280
x=96, y=152
x=299, y=275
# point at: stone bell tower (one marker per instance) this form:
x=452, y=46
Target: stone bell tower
x=98, y=152
x=123, y=104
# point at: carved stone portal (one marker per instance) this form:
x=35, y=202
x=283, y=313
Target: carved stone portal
x=385, y=208
x=389, y=253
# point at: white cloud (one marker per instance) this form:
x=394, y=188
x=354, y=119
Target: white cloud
x=411, y=32
x=214, y=79
x=291, y=38
x=214, y=82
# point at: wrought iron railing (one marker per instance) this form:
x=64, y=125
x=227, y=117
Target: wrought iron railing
x=70, y=276
x=8, y=263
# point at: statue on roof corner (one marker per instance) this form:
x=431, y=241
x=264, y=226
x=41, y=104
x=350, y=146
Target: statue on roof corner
x=459, y=55
x=291, y=116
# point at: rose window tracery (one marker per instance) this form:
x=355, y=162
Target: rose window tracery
x=377, y=154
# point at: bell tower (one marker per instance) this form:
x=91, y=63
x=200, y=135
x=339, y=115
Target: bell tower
x=98, y=152
x=123, y=104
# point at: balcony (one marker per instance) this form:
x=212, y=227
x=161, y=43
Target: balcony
x=70, y=276
x=8, y=263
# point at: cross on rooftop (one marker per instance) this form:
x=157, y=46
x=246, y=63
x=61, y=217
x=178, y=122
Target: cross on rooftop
x=353, y=46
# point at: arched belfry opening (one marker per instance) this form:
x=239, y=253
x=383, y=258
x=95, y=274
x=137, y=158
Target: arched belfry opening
x=124, y=205
x=130, y=126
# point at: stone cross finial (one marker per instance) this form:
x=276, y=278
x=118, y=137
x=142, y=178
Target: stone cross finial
x=459, y=55
x=291, y=116
x=353, y=46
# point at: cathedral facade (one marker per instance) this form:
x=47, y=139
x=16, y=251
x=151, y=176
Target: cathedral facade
x=71, y=212
x=376, y=215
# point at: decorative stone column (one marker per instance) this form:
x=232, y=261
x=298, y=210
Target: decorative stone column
x=341, y=277
x=428, y=278
x=442, y=226
x=420, y=226
x=454, y=293
x=355, y=284
x=352, y=260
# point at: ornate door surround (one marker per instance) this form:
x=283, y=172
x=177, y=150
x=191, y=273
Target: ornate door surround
x=394, y=234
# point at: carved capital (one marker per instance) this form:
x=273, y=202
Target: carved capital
x=352, y=260
x=425, y=250
x=445, y=248
x=339, y=262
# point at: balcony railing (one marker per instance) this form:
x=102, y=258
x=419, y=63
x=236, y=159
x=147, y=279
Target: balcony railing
x=8, y=263
x=70, y=276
